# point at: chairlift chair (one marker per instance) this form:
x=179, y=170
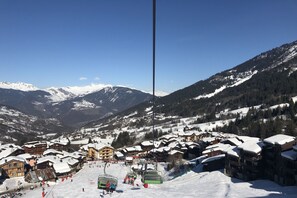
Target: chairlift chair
x=105, y=178
x=151, y=177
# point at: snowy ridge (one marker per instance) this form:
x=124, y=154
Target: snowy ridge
x=18, y=86
x=65, y=93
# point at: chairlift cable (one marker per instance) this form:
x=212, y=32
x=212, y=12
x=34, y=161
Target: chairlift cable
x=154, y=64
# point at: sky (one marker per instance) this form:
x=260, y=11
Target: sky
x=77, y=42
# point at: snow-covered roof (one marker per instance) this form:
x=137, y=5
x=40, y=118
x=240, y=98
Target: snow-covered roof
x=34, y=143
x=210, y=159
x=252, y=146
x=133, y=148
x=234, y=140
x=217, y=147
x=168, y=136
x=173, y=144
x=8, y=149
x=129, y=158
x=280, y=139
x=234, y=151
x=70, y=161
x=173, y=152
x=208, y=139
x=157, y=144
x=119, y=154
x=10, y=158
x=50, y=158
x=53, y=151
x=247, y=138
x=61, y=167
x=161, y=149
x=147, y=143
x=26, y=156
x=291, y=155
x=75, y=155
x=99, y=146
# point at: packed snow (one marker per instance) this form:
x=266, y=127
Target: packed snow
x=191, y=184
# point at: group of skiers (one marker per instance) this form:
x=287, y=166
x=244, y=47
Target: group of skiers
x=110, y=187
x=129, y=180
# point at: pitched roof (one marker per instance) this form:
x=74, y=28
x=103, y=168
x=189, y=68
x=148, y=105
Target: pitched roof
x=10, y=158
x=252, y=146
x=99, y=146
x=280, y=139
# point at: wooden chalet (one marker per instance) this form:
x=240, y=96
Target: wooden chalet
x=216, y=149
x=59, y=146
x=12, y=166
x=7, y=150
x=35, y=147
x=175, y=157
x=132, y=151
x=39, y=175
x=147, y=145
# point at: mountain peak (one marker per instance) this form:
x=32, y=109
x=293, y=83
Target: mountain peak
x=18, y=86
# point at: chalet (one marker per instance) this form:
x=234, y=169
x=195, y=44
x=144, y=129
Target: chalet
x=60, y=166
x=46, y=162
x=39, y=175
x=75, y=155
x=129, y=160
x=192, y=135
x=175, y=157
x=30, y=162
x=159, y=154
x=216, y=149
x=119, y=155
x=7, y=150
x=35, y=148
x=147, y=145
x=60, y=146
x=12, y=166
x=52, y=152
x=100, y=151
x=273, y=147
x=132, y=151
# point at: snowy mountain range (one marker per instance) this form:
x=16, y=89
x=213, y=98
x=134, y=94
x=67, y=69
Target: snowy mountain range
x=73, y=106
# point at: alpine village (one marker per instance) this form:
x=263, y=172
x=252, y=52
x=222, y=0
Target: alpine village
x=242, y=121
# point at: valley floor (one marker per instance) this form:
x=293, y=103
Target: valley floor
x=205, y=184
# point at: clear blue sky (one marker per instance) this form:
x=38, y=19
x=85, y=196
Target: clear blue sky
x=78, y=42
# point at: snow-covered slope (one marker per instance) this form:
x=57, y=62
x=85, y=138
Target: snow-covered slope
x=205, y=184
